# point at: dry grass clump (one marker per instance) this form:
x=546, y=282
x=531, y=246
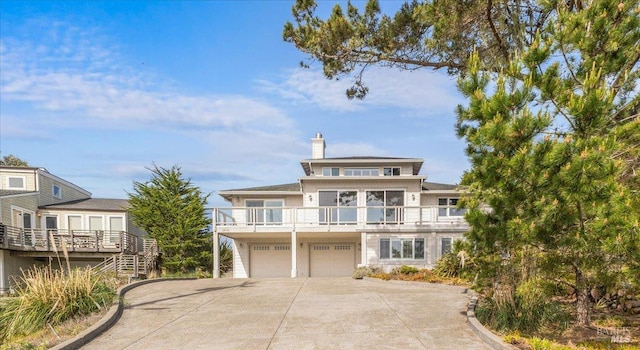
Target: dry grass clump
x=410, y=273
x=45, y=297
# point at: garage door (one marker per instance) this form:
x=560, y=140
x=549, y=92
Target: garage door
x=270, y=260
x=332, y=260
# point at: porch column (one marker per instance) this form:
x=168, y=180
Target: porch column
x=363, y=249
x=216, y=254
x=434, y=249
x=294, y=254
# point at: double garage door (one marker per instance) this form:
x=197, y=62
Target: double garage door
x=325, y=260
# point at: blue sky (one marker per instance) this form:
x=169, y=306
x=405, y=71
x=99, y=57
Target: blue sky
x=96, y=92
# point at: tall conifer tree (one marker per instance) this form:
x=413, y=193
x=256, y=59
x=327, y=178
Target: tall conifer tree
x=172, y=211
x=544, y=142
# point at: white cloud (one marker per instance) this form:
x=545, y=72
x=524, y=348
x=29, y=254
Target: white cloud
x=423, y=91
x=80, y=81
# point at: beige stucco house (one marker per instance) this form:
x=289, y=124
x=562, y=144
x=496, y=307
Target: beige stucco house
x=341, y=214
x=43, y=215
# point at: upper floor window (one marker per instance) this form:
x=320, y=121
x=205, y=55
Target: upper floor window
x=338, y=207
x=261, y=211
x=57, y=191
x=330, y=171
x=361, y=172
x=16, y=182
x=392, y=171
x=447, y=207
x=384, y=206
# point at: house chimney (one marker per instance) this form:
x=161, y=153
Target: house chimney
x=317, y=147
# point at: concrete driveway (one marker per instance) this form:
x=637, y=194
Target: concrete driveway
x=311, y=313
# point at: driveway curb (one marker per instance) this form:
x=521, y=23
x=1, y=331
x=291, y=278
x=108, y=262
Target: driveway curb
x=109, y=319
x=486, y=335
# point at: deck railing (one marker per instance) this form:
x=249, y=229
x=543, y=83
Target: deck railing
x=51, y=240
x=324, y=216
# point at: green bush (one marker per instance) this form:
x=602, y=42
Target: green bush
x=48, y=296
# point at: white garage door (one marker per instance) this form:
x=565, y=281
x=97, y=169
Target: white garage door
x=270, y=260
x=332, y=260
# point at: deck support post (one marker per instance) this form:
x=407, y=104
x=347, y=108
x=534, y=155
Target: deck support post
x=216, y=253
x=294, y=254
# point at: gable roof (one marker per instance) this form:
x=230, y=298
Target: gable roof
x=100, y=204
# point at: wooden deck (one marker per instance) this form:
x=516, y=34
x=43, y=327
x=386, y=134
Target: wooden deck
x=71, y=241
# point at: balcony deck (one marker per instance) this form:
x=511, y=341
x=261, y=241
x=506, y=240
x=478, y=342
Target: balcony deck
x=338, y=219
x=72, y=241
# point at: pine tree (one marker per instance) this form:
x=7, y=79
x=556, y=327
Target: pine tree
x=172, y=211
x=549, y=139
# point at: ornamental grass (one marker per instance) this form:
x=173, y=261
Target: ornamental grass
x=46, y=297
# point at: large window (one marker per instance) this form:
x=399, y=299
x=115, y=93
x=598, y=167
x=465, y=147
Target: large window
x=330, y=171
x=385, y=207
x=447, y=207
x=361, y=172
x=402, y=248
x=338, y=207
x=261, y=211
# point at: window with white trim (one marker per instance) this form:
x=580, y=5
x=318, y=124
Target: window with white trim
x=448, y=207
x=57, y=191
x=16, y=182
x=263, y=211
x=391, y=171
x=402, y=248
x=330, y=171
x=361, y=171
x=338, y=207
x=385, y=207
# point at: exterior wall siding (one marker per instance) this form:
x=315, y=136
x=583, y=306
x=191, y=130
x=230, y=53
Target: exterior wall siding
x=28, y=174
x=68, y=193
x=12, y=266
x=240, y=259
x=28, y=202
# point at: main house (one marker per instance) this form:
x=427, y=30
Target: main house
x=342, y=213
x=43, y=216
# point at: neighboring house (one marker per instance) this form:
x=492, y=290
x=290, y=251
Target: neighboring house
x=343, y=213
x=43, y=216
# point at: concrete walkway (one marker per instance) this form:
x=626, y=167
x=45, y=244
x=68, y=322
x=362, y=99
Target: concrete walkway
x=311, y=313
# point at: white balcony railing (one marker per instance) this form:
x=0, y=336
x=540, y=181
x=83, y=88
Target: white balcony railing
x=324, y=216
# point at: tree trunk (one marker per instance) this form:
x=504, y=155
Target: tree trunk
x=583, y=304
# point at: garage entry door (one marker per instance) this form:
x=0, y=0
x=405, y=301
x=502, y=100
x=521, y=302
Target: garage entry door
x=270, y=260
x=332, y=260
